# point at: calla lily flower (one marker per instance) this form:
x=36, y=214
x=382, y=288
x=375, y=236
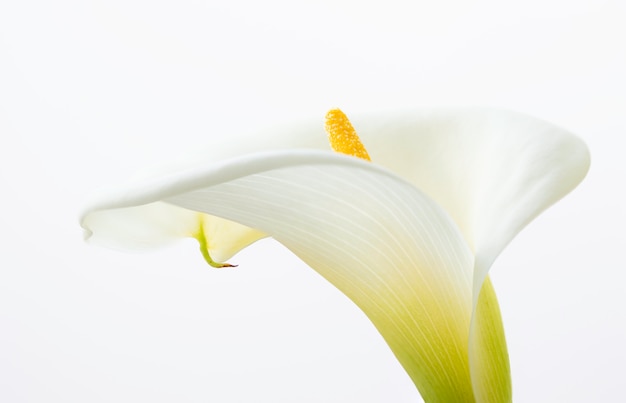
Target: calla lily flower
x=409, y=237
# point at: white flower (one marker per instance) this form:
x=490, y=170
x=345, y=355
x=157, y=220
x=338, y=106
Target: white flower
x=409, y=238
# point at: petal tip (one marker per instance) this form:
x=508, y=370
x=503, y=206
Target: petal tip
x=87, y=234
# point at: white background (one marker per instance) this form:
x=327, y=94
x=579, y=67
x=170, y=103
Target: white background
x=90, y=91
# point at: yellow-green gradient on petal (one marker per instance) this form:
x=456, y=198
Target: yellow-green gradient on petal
x=204, y=245
x=426, y=327
x=383, y=243
x=220, y=239
x=488, y=355
x=432, y=346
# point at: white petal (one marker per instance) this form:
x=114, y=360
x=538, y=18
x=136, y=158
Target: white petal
x=157, y=224
x=381, y=241
x=139, y=227
x=493, y=171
